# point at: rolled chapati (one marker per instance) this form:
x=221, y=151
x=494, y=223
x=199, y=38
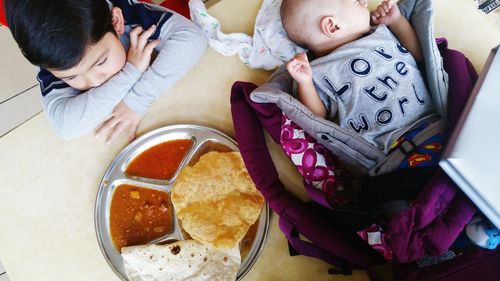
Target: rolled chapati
x=182, y=260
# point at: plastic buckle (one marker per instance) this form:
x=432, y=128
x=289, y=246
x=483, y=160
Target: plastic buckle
x=407, y=151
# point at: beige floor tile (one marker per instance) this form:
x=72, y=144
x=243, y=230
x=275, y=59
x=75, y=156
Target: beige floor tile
x=3, y=274
x=19, y=108
x=2, y=267
x=17, y=74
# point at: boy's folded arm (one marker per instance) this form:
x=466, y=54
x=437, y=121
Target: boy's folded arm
x=73, y=113
x=182, y=45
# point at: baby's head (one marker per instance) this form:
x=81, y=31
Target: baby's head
x=325, y=24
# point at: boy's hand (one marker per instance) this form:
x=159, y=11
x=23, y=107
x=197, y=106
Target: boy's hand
x=386, y=13
x=140, y=50
x=123, y=117
x=300, y=69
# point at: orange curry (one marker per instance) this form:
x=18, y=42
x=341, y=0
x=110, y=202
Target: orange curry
x=160, y=161
x=139, y=215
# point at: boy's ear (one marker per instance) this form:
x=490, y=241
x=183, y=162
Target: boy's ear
x=329, y=26
x=117, y=20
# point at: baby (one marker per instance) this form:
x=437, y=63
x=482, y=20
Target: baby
x=364, y=78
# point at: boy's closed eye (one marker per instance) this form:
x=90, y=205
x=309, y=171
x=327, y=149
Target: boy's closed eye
x=68, y=78
x=102, y=62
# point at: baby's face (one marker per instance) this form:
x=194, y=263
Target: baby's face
x=100, y=62
x=353, y=14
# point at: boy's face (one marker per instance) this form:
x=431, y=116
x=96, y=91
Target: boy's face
x=100, y=62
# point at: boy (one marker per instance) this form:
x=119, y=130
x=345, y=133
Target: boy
x=367, y=82
x=94, y=59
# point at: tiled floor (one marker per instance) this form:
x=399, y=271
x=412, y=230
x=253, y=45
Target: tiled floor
x=3, y=273
x=19, y=92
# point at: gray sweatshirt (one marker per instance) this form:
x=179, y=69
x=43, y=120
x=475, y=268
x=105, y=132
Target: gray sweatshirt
x=73, y=113
x=373, y=88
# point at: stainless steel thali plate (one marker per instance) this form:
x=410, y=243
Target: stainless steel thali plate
x=203, y=140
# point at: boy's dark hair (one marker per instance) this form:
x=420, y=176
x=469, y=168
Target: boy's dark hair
x=56, y=33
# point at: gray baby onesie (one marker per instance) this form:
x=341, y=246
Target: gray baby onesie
x=373, y=87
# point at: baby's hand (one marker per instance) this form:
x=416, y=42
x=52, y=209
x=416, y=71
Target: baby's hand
x=300, y=69
x=386, y=13
x=122, y=118
x=140, y=50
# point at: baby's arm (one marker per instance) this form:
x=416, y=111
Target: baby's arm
x=388, y=13
x=300, y=70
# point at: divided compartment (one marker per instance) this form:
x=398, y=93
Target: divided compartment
x=207, y=145
x=144, y=196
x=155, y=143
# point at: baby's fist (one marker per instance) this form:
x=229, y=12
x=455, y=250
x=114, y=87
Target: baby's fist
x=300, y=69
x=386, y=13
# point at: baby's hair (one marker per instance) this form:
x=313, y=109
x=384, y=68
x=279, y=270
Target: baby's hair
x=289, y=11
x=56, y=33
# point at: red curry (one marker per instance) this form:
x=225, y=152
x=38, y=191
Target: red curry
x=139, y=215
x=160, y=161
